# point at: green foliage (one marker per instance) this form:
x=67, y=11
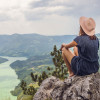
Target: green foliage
x=48, y=68
x=24, y=68
x=29, y=45
x=2, y=60
x=44, y=75
x=27, y=90
x=34, y=77
x=60, y=71
x=60, y=68
x=31, y=90
x=24, y=97
x=40, y=78
x=49, y=99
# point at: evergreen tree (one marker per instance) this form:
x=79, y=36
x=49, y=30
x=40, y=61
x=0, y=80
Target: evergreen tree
x=23, y=85
x=32, y=76
x=36, y=76
x=60, y=71
x=39, y=80
x=48, y=68
x=44, y=75
x=27, y=90
x=60, y=68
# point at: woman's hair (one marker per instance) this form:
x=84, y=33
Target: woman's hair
x=81, y=32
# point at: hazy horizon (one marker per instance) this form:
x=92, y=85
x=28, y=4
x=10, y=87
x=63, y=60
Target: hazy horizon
x=41, y=34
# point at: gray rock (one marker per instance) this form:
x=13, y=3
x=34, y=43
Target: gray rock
x=73, y=88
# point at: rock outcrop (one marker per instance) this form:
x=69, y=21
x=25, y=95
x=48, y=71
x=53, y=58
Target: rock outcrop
x=73, y=88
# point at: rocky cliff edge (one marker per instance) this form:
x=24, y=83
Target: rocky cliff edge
x=73, y=88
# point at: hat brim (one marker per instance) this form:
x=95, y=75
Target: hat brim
x=91, y=33
x=81, y=21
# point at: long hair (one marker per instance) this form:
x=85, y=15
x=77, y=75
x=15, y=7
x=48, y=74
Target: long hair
x=81, y=32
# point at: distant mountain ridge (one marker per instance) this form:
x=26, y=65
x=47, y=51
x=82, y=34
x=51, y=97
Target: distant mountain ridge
x=30, y=44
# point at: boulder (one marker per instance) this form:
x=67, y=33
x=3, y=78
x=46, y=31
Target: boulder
x=73, y=88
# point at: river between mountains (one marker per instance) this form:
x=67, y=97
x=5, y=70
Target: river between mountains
x=8, y=78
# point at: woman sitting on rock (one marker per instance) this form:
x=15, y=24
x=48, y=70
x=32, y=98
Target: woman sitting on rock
x=84, y=60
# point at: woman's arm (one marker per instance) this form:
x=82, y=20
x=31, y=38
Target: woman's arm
x=71, y=44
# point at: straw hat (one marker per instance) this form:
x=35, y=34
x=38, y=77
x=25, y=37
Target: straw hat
x=88, y=25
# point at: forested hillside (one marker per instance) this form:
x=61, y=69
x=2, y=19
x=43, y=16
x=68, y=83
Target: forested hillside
x=30, y=44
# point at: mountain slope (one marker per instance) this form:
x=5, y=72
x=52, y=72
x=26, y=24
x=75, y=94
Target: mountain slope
x=30, y=44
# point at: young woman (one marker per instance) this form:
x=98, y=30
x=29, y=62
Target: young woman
x=84, y=60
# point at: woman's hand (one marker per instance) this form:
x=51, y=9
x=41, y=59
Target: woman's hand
x=71, y=44
x=63, y=45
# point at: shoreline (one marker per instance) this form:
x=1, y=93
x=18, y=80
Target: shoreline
x=8, y=77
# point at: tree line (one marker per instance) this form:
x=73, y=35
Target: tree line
x=60, y=71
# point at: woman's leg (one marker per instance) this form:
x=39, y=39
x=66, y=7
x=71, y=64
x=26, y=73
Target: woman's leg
x=67, y=56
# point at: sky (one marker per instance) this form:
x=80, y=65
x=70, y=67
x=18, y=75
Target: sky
x=46, y=17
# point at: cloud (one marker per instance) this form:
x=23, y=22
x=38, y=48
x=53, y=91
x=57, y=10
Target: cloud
x=46, y=16
x=66, y=7
x=39, y=9
x=4, y=17
x=40, y=3
x=84, y=7
x=42, y=12
x=42, y=8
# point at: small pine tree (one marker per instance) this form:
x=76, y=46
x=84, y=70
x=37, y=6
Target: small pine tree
x=23, y=84
x=59, y=63
x=36, y=76
x=32, y=76
x=44, y=75
x=60, y=72
x=27, y=90
x=48, y=68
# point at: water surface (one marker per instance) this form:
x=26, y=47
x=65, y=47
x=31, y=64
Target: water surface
x=8, y=78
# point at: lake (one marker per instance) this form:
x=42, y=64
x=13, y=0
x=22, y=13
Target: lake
x=8, y=78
